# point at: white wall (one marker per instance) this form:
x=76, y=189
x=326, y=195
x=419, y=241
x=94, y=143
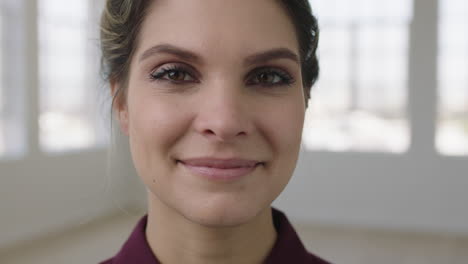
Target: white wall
x=43, y=194
x=410, y=192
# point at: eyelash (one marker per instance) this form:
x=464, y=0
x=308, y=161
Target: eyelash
x=161, y=75
x=285, y=78
x=158, y=75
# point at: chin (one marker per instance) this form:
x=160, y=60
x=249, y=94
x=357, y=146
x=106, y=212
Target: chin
x=223, y=214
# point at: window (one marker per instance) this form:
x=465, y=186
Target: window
x=452, y=123
x=359, y=102
x=68, y=79
x=55, y=108
x=65, y=186
x=2, y=125
x=12, y=136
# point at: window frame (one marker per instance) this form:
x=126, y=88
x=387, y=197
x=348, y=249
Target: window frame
x=420, y=190
x=354, y=87
x=44, y=192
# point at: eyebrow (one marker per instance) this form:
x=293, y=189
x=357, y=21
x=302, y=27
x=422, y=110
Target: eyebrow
x=274, y=54
x=170, y=49
x=262, y=57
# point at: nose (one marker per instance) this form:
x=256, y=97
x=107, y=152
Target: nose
x=223, y=115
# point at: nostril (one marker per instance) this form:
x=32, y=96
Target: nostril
x=242, y=133
x=209, y=131
x=222, y=129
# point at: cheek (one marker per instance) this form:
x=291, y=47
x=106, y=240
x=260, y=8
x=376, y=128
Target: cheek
x=155, y=124
x=285, y=126
x=284, y=135
x=282, y=127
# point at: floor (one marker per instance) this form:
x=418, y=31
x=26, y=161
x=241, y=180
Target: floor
x=99, y=240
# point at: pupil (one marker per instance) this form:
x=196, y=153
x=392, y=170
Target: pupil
x=265, y=77
x=174, y=75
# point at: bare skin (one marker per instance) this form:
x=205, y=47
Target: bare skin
x=218, y=80
x=197, y=244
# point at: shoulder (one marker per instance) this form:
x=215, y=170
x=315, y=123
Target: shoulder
x=288, y=247
x=135, y=249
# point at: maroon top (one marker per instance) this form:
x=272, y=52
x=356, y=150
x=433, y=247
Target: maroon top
x=288, y=247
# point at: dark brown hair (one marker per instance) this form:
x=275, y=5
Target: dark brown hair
x=122, y=19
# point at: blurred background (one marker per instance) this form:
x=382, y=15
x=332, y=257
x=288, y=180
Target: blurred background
x=383, y=172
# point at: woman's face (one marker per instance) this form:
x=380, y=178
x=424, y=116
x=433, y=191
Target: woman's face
x=215, y=107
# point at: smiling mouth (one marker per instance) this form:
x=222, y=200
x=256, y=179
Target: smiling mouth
x=221, y=169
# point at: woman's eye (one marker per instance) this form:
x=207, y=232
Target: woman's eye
x=270, y=77
x=172, y=74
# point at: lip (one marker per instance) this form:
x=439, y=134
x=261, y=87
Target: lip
x=220, y=169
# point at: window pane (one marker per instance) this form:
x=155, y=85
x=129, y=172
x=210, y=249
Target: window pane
x=12, y=130
x=68, y=75
x=2, y=105
x=452, y=125
x=359, y=102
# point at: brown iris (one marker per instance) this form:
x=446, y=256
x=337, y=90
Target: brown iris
x=265, y=77
x=176, y=75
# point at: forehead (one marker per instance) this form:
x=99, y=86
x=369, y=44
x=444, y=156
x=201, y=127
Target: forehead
x=218, y=28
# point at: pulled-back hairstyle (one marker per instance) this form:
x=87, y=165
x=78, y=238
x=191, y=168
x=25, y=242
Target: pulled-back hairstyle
x=121, y=23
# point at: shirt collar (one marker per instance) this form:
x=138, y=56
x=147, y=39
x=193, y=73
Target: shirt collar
x=287, y=249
